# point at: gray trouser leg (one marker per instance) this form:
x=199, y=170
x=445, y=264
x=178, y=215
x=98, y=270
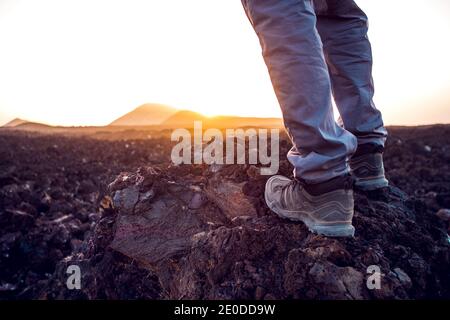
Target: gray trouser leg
x=343, y=26
x=292, y=50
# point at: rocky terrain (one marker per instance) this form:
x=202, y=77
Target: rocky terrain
x=139, y=227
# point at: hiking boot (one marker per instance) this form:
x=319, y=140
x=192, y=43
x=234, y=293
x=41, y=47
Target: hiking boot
x=327, y=208
x=368, y=170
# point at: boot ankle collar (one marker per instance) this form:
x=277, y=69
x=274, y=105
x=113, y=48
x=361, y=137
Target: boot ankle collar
x=342, y=182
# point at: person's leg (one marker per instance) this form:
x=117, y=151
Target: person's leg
x=343, y=27
x=322, y=195
x=293, y=53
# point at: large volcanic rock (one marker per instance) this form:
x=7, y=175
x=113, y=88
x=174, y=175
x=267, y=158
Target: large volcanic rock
x=196, y=233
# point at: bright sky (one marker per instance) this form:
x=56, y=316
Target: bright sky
x=86, y=62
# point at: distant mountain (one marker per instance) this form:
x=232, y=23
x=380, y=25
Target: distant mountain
x=35, y=126
x=22, y=125
x=145, y=115
x=15, y=123
x=183, y=119
x=159, y=115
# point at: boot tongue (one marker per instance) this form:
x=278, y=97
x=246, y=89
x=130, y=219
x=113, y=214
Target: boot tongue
x=342, y=182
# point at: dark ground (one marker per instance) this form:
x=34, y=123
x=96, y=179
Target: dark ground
x=51, y=189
